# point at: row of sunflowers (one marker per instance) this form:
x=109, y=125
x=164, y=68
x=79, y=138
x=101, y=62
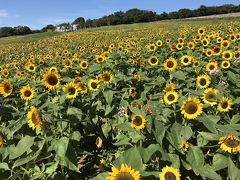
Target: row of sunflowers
x=151, y=101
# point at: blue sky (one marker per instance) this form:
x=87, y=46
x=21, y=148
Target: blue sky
x=38, y=13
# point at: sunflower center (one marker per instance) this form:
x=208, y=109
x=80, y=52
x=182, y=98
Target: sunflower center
x=191, y=107
x=27, y=93
x=35, y=118
x=225, y=64
x=31, y=68
x=137, y=121
x=124, y=176
x=153, y=60
x=7, y=88
x=203, y=82
x=210, y=96
x=232, y=143
x=169, y=176
x=84, y=64
x=227, y=55
x=185, y=60
x=224, y=104
x=211, y=67
x=170, y=64
x=71, y=91
x=171, y=97
x=52, y=80
x=94, y=85
x=106, y=77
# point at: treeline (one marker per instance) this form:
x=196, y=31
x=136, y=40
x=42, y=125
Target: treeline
x=120, y=17
x=140, y=16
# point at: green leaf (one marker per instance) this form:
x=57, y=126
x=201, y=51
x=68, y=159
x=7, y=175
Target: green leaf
x=101, y=176
x=108, y=96
x=109, y=109
x=237, y=101
x=75, y=136
x=179, y=75
x=52, y=168
x=209, y=122
x=208, y=172
x=132, y=158
x=233, y=171
x=74, y=111
x=106, y=128
x=209, y=136
x=235, y=119
x=218, y=160
x=175, y=160
x=195, y=158
x=147, y=153
x=23, y=146
x=4, y=166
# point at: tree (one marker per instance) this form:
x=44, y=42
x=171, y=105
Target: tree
x=49, y=27
x=79, y=22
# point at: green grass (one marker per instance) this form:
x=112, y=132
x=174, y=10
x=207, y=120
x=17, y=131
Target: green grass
x=26, y=38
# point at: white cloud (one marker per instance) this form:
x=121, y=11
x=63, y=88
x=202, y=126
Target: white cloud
x=3, y=13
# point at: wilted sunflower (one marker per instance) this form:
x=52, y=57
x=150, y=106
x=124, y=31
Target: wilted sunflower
x=225, y=64
x=107, y=77
x=227, y=55
x=93, y=85
x=190, y=45
x=230, y=143
x=6, y=88
x=34, y=119
x=203, y=81
x=191, y=108
x=170, y=97
x=186, y=60
x=170, y=64
x=138, y=122
x=225, y=104
x=210, y=96
x=169, y=173
x=211, y=65
x=27, y=93
x=51, y=80
x=124, y=173
x=71, y=90
x=83, y=64
x=132, y=92
x=153, y=60
x=67, y=63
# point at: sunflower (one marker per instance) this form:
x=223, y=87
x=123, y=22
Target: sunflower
x=170, y=64
x=124, y=173
x=6, y=88
x=203, y=81
x=210, y=96
x=83, y=65
x=191, y=108
x=169, y=87
x=201, y=31
x=82, y=88
x=30, y=67
x=170, y=97
x=225, y=44
x=217, y=51
x=71, y=90
x=153, y=61
x=169, y=173
x=227, y=55
x=132, y=92
x=196, y=63
x=93, y=85
x=186, y=60
x=34, y=119
x=184, y=146
x=225, y=64
x=209, y=52
x=224, y=104
x=51, y=80
x=100, y=59
x=107, y=77
x=179, y=46
x=190, y=45
x=138, y=122
x=211, y=65
x=229, y=143
x=67, y=63
x=27, y=93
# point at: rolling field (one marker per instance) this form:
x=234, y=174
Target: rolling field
x=128, y=102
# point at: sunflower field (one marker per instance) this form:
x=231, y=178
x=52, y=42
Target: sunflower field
x=149, y=101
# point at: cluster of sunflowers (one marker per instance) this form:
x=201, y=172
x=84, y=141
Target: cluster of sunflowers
x=142, y=102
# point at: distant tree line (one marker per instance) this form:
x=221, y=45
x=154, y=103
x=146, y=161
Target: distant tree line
x=131, y=16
